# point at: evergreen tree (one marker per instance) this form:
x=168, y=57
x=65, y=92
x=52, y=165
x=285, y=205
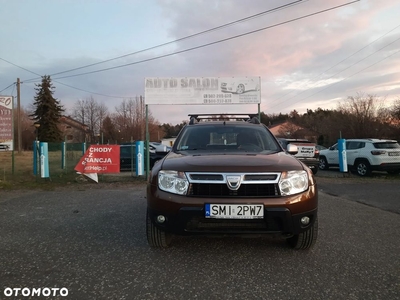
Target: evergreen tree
x=47, y=112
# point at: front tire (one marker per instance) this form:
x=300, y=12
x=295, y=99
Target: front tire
x=306, y=239
x=323, y=163
x=363, y=168
x=156, y=237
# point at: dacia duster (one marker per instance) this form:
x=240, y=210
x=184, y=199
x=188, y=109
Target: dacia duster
x=232, y=177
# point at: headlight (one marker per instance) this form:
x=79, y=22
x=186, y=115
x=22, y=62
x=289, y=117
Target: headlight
x=173, y=182
x=293, y=182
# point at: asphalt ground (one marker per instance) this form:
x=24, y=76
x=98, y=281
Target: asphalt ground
x=380, y=190
x=92, y=242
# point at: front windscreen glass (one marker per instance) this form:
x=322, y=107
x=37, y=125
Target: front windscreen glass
x=227, y=138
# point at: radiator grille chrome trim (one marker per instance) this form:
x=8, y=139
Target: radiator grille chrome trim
x=219, y=185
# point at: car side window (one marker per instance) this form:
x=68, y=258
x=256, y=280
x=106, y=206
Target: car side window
x=351, y=145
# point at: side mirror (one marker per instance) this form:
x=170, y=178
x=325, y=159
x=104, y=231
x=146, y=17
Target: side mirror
x=292, y=149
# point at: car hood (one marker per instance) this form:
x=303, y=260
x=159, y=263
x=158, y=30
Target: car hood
x=275, y=162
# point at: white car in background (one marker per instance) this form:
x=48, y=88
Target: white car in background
x=240, y=85
x=364, y=156
x=158, y=147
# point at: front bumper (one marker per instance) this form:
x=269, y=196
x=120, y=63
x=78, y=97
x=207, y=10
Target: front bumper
x=186, y=215
x=191, y=220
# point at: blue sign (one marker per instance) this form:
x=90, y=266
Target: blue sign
x=342, y=155
x=139, y=158
x=44, y=160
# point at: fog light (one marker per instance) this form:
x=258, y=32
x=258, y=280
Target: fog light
x=160, y=219
x=305, y=220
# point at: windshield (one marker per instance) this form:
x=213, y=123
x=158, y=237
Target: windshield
x=227, y=138
x=386, y=145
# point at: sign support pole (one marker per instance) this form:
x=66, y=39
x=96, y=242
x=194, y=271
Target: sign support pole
x=147, y=143
x=13, y=138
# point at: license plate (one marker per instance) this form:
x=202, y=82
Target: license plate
x=234, y=211
x=394, y=153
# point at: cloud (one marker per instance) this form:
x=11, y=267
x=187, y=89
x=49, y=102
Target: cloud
x=304, y=64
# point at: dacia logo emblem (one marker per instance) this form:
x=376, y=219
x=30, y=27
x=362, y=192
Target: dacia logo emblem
x=233, y=182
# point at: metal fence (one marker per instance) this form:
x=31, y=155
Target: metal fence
x=21, y=168
x=63, y=158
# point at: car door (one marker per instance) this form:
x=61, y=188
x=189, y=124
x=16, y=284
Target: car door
x=352, y=151
x=332, y=156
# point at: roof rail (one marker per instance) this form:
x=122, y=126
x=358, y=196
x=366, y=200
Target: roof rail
x=251, y=118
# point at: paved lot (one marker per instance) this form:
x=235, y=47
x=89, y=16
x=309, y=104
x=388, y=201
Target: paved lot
x=93, y=243
x=380, y=190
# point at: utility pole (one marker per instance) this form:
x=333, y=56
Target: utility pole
x=19, y=116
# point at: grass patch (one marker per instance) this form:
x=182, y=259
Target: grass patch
x=16, y=173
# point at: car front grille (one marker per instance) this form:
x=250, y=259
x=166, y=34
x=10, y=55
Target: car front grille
x=222, y=190
x=219, y=185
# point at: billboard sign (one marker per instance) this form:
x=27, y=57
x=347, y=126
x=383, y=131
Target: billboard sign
x=6, y=123
x=202, y=90
x=100, y=159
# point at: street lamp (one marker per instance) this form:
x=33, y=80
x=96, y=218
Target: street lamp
x=37, y=125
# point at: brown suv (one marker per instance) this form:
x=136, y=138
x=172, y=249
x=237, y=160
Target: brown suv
x=231, y=177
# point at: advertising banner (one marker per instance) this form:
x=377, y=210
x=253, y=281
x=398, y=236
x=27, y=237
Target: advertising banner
x=6, y=123
x=44, y=160
x=202, y=90
x=139, y=158
x=342, y=155
x=100, y=159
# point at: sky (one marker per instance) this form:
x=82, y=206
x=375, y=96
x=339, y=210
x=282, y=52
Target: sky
x=308, y=54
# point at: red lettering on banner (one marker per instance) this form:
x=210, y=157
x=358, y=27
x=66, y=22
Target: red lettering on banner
x=100, y=159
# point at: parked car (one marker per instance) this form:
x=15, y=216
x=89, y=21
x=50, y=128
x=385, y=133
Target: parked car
x=307, y=152
x=240, y=86
x=128, y=151
x=233, y=178
x=158, y=147
x=320, y=147
x=365, y=156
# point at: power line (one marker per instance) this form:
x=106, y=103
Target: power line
x=183, y=38
x=20, y=67
x=212, y=43
x=332, y=84
x=190, y=49
x=79, y=89
x=335, y=66
x=7, y=87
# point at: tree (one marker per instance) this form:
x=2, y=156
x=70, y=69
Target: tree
x=90, y=113
x=47, y=112
x=361, y=115
x=130, y=119
x=395, y=112
x=111, y=134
